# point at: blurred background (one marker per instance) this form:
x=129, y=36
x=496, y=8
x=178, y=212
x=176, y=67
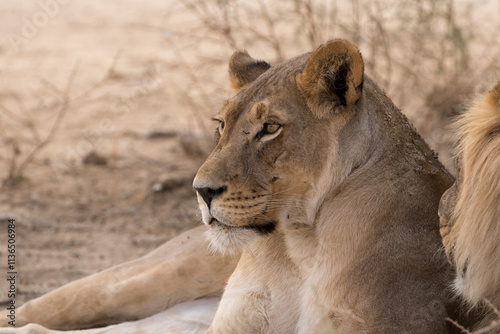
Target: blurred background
x=105, y=106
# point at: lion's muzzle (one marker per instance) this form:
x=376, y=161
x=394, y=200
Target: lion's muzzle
x=208, y=194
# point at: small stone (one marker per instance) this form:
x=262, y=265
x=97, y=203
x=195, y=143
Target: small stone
x=95, y=159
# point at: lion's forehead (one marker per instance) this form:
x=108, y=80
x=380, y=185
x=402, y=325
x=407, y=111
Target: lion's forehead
x=251, y=114
x=274, y=90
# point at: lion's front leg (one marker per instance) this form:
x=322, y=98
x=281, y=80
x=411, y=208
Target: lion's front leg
x=262, y=295
x=243, y=307
x=182, y=269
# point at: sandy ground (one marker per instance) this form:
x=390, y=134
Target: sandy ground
x=127, y=82
x=72, y=218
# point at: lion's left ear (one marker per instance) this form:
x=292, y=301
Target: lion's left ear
x=243, y=69
x=332, y=78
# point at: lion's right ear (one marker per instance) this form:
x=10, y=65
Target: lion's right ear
x=243, y=69
x=332, y=78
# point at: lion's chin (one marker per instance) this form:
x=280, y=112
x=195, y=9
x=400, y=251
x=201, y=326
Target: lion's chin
x=231, y=240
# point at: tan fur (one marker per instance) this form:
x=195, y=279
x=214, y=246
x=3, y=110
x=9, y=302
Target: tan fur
x=325, y=64
x=470, y=211
x=244, y=69
x=181, y=270
x=335, y=213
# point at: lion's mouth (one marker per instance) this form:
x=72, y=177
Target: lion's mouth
x=262, y=229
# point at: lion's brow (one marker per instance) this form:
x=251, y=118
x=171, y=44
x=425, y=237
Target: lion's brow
x=260, y=109
x=228, y=108
x=231, y=110
x=226, y=104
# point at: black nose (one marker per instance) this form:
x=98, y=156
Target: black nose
x=208, y=194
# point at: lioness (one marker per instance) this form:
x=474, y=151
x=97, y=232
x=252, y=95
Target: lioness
x=323, y=202
x=332, y=196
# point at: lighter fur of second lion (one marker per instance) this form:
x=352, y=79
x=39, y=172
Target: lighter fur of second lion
x=470, y=210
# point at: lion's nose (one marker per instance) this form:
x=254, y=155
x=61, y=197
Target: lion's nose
x=208, y=194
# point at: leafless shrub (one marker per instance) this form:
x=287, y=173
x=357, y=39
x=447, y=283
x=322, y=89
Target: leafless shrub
x=429, y=55
x=17, y=159
x=20, y=134
x=412, y=48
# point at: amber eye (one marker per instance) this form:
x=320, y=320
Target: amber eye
x=269, y=129
x=221, y=127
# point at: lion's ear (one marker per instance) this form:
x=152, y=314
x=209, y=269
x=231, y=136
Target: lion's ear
x=243, y=69
x=332, y=78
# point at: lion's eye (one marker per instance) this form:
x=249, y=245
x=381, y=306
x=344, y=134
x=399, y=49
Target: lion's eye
x=269, y=129
x=220, y=127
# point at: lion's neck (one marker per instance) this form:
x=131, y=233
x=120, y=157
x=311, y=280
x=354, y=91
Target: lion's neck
x=354, y=191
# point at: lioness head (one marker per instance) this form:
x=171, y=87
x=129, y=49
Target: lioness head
x=278, y=141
